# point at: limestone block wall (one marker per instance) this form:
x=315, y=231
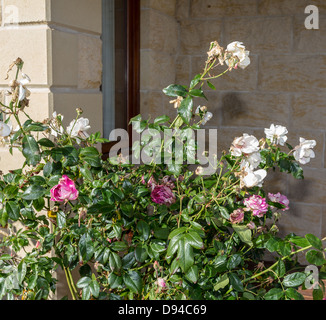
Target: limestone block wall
x=284, y=84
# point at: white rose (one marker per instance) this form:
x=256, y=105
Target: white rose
x=277, y=134
x=303, y=152
x=207, y=117
x=239, y=51
x=254, y=178
x=5, y=129
x=79, y=127
x=251, y=161
x=244, y=145
x=23, y=92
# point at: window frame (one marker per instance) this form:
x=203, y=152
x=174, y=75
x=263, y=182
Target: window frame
x=132, y=68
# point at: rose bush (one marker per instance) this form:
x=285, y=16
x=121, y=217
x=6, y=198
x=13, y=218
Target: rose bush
x=151, y=230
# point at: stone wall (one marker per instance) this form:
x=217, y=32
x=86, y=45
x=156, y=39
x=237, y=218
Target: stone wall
x=284, y=84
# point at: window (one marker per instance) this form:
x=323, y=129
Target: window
x=121, y=64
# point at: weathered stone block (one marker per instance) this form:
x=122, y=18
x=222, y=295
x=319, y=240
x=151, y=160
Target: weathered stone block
x=196, y=36
x=158, y=31
x=81, y=14
x=280, y=7
x=301, y=219
x=31, y=45
x=158, y=70
x=222, y=8
x=89, y=62
x=21, y=11
x=164, y=6
x=296, y=73
x=311, y=41
x=311, y=189
x=268, y=34
x=308, y=111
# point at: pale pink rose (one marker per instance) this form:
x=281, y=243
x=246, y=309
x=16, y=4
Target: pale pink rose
x=237, y=216
x=257, y=205
x=280, y=198
x=64, y=190
x=161, y=283
x=244, y=145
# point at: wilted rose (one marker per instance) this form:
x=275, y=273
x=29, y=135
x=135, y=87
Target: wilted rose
x=237, y=216
x=64, y=190
x=162, y=195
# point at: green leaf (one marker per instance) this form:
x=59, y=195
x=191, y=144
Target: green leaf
x=234, y=261
x=197, y=93
x=192, y=274
x=299, y=241
x=13, y=210
x=177, y=231
x=86, y=173
x=35, y=126
x=33, y=192
x=293, y=294
x=119, y=246
x=185, y=255
x=143, y=229
x=38, y=204
x=222, y=282
x=194, y=240
x=44, y=142
x=314, y=241
x=236, y=282
x=133, y=281
x=294, y=279
x=161, y=119
x=61, y=219
x=86, y=247
x=31, y=150
x=211, y=85
x=95, y=288
x=315, y=257
x=115, y=262
x=185, y=109
x=244, y=233
x=175, y=90
x=296, y=170
x=114, y=281
x=274, y=294
x=83, y=282
x=141, y=253
x=22, y=270
x=224, y=213
x=86, y=294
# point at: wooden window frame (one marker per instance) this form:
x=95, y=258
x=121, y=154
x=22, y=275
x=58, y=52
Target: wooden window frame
x=132, y=68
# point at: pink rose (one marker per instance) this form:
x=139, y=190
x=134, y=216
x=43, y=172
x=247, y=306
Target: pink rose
x=65, y=190
x=280, y=198
x=237, y=216
x=162, y=195
x=257, y=205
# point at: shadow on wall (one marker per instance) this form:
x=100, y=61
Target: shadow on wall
x=232, y=107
